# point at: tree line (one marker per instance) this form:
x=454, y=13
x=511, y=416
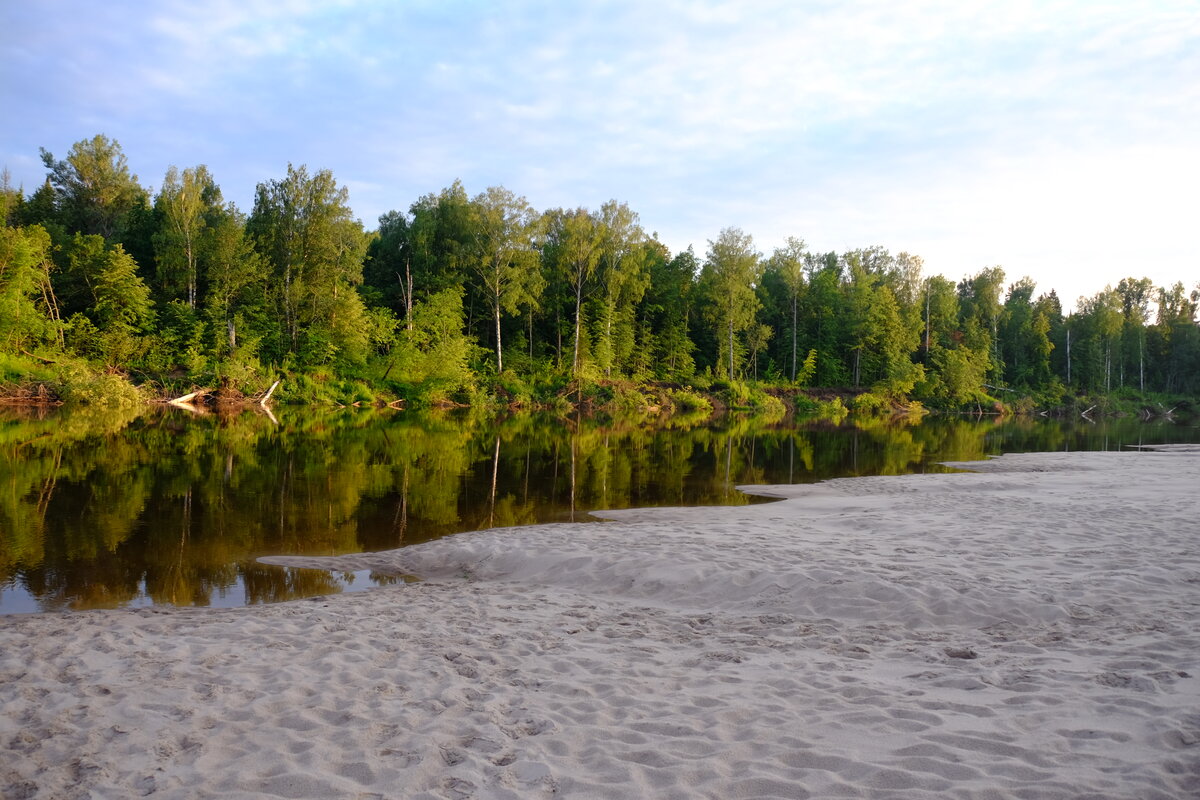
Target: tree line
x=469, y=298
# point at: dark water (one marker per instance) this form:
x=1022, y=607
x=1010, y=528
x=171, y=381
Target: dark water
x=167, y=508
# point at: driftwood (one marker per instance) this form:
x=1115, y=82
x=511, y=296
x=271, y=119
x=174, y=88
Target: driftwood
x=267, y=396
x=186, y=399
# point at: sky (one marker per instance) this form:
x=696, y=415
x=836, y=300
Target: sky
x=1057, y=140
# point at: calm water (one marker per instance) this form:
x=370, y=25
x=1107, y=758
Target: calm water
x=167, y=508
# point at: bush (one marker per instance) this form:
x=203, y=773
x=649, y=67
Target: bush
x=686, y=401
x=870, y=403
x=80, y=385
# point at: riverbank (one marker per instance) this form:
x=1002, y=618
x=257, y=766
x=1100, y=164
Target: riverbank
x=1025, y=630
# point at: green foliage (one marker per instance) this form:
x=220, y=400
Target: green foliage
x=433, y=357
x=21, y=370
x=76, y=383
x=304, y=229
x=871, y=403
x=956, y=379
x=94, y=189
x=27, y=313
x=503, y=255
x=572, y=250
x=730, y=271
x=685, y=400
x=484, y=300
x=808, y=407
x=807, y=370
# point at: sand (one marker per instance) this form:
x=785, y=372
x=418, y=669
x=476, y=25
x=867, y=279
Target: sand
x=1027, y=630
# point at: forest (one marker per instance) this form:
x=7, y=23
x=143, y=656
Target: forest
x=111, y=293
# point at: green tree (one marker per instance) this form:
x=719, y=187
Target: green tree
x=41, y=208
x=182, y=203
x=235, y=276
x=624, y=279
x=572, y=249
x=435, y=352
x=1102, y=322
x=1024, y=337
x=423, y=251
x=122, y=298
x=1136, y=295
x=666, y=307
x=958, y=375
x=822, y=305
x=28, y=312
x=303, y=227
x=941, y=313
x=110, y=304
x=979, y=311
x=788, y=263
x=504, y=255
x=93, y=186
x=731, y=268
x=1175, y=341
x=12, y=201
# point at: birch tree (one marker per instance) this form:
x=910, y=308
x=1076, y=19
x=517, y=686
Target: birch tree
x=182, y=201
x=731, y=269
x=504, y=255
x=573, y=250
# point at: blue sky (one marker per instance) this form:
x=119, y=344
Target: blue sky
x=1059, y=140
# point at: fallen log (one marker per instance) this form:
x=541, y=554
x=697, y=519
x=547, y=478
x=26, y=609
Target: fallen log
x=185, y=399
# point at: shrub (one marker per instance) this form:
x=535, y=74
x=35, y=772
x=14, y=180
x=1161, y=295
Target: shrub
x=78, y=384
x=685, y=400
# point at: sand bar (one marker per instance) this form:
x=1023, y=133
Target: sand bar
x=1027, y=630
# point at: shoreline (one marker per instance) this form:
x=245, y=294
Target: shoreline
x=1024, y=629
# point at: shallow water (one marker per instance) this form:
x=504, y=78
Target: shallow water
x=163, y=507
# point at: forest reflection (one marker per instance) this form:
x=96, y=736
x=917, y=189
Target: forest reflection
x=164, y=507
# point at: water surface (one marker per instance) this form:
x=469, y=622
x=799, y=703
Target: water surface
x=164, y=507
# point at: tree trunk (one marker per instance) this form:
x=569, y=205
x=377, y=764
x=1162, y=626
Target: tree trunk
x=608, y=317
x=1141, y=365
x=578, y=306
x=731, y=342
x=191, y=258
x=794, y=296
x=1068, y=356
x=406, y=293
x=499, y=355
x=927, y=322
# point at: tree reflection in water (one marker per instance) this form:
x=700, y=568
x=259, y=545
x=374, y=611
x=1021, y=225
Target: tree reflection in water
x=108, y=509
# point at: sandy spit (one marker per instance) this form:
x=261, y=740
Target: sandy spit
x=1027, y=630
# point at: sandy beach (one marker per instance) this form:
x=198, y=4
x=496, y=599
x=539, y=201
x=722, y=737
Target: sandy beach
x=1030, y=629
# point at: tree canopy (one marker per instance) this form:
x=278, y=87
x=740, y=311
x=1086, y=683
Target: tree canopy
x=485, y=295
